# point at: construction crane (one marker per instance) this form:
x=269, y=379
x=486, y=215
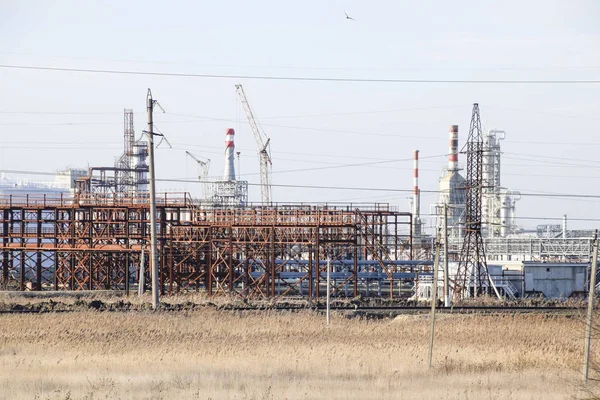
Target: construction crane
x=262, y=142
x=204, y=165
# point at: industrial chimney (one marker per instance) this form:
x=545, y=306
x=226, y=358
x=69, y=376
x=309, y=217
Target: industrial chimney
x=229, y=171
x=453, y=149
x=416, y=197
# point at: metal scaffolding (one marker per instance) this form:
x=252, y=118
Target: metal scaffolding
x=95, y=242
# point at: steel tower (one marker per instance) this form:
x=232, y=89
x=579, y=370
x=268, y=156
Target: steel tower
x=472, y=276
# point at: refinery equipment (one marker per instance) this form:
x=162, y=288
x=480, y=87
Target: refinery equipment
x=263, y=143
x=128, y=177
x=56, y=238
x=498, y=203
x=504, y=241
x=229, y=192
x=452, y=191
x=204, y=166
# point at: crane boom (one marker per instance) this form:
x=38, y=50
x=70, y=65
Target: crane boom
x=263, y=143
x=204, y=166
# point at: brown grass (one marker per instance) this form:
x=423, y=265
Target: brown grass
x=210, y=354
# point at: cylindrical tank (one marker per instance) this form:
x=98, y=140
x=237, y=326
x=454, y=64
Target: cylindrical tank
x=505, y=213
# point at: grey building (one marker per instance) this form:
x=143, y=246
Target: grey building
x=555, y=280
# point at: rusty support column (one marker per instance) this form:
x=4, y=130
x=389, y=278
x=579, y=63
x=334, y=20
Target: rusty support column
x=171, y=263
x=318, y=263
x=272, y=260
x=22, y=253
x=246, y=272
x=310, y=271
x=55, y=242
x=230, y=260
x=395, y=237
x=38, y=261
x=209, y=265
x=128, y=251
x=5, y=252
x=355, y=256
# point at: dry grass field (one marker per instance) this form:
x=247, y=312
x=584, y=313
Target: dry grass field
x=212, y=354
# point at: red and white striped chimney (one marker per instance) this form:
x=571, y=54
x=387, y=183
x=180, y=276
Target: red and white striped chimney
x=453, y=149
x=416, y=196
x=229, y=171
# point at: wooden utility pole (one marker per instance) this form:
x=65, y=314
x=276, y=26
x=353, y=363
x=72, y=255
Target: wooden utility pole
x=153, y=250
x=434, y=295
x=328, y=292
x=590, y=311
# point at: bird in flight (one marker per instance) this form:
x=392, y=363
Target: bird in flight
x=348, y=17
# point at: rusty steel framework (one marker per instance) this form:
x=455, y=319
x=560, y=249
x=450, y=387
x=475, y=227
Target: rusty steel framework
x=95, y=243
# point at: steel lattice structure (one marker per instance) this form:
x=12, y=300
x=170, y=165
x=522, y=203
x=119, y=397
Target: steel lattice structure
x=95, y=243
x=472, y=277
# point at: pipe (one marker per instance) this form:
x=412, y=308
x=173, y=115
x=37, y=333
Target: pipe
x=453, y=148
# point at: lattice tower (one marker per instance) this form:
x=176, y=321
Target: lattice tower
x=472, y=276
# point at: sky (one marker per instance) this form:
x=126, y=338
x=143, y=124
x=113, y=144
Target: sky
x=322, y=132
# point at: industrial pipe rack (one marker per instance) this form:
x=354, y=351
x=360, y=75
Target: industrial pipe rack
x=95, y=242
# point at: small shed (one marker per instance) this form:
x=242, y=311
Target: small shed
x=555, y=280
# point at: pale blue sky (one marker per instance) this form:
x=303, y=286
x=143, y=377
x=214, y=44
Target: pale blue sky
x=503, y=40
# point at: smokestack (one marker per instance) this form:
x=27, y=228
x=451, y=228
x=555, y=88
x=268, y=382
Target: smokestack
x=229, y=171
x=416, y=197
x=453, y=149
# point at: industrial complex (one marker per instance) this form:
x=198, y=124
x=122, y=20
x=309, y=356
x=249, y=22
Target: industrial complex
x=90, y=229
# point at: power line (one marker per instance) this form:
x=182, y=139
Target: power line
x=296, y=78
x=62, y=113
x=530, y=68
x=543, y=113
x=362, y=112
x=373, y=189
x=312, y=129
x=533, y=218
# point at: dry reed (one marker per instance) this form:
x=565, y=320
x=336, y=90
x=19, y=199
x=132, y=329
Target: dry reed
x=210, y=354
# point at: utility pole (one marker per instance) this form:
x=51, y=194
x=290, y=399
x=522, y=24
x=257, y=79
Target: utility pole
x=436, y=263
x=328, y=292
x=446, y=272
x=153, y=253
x=142, y=280
x=590, y=311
